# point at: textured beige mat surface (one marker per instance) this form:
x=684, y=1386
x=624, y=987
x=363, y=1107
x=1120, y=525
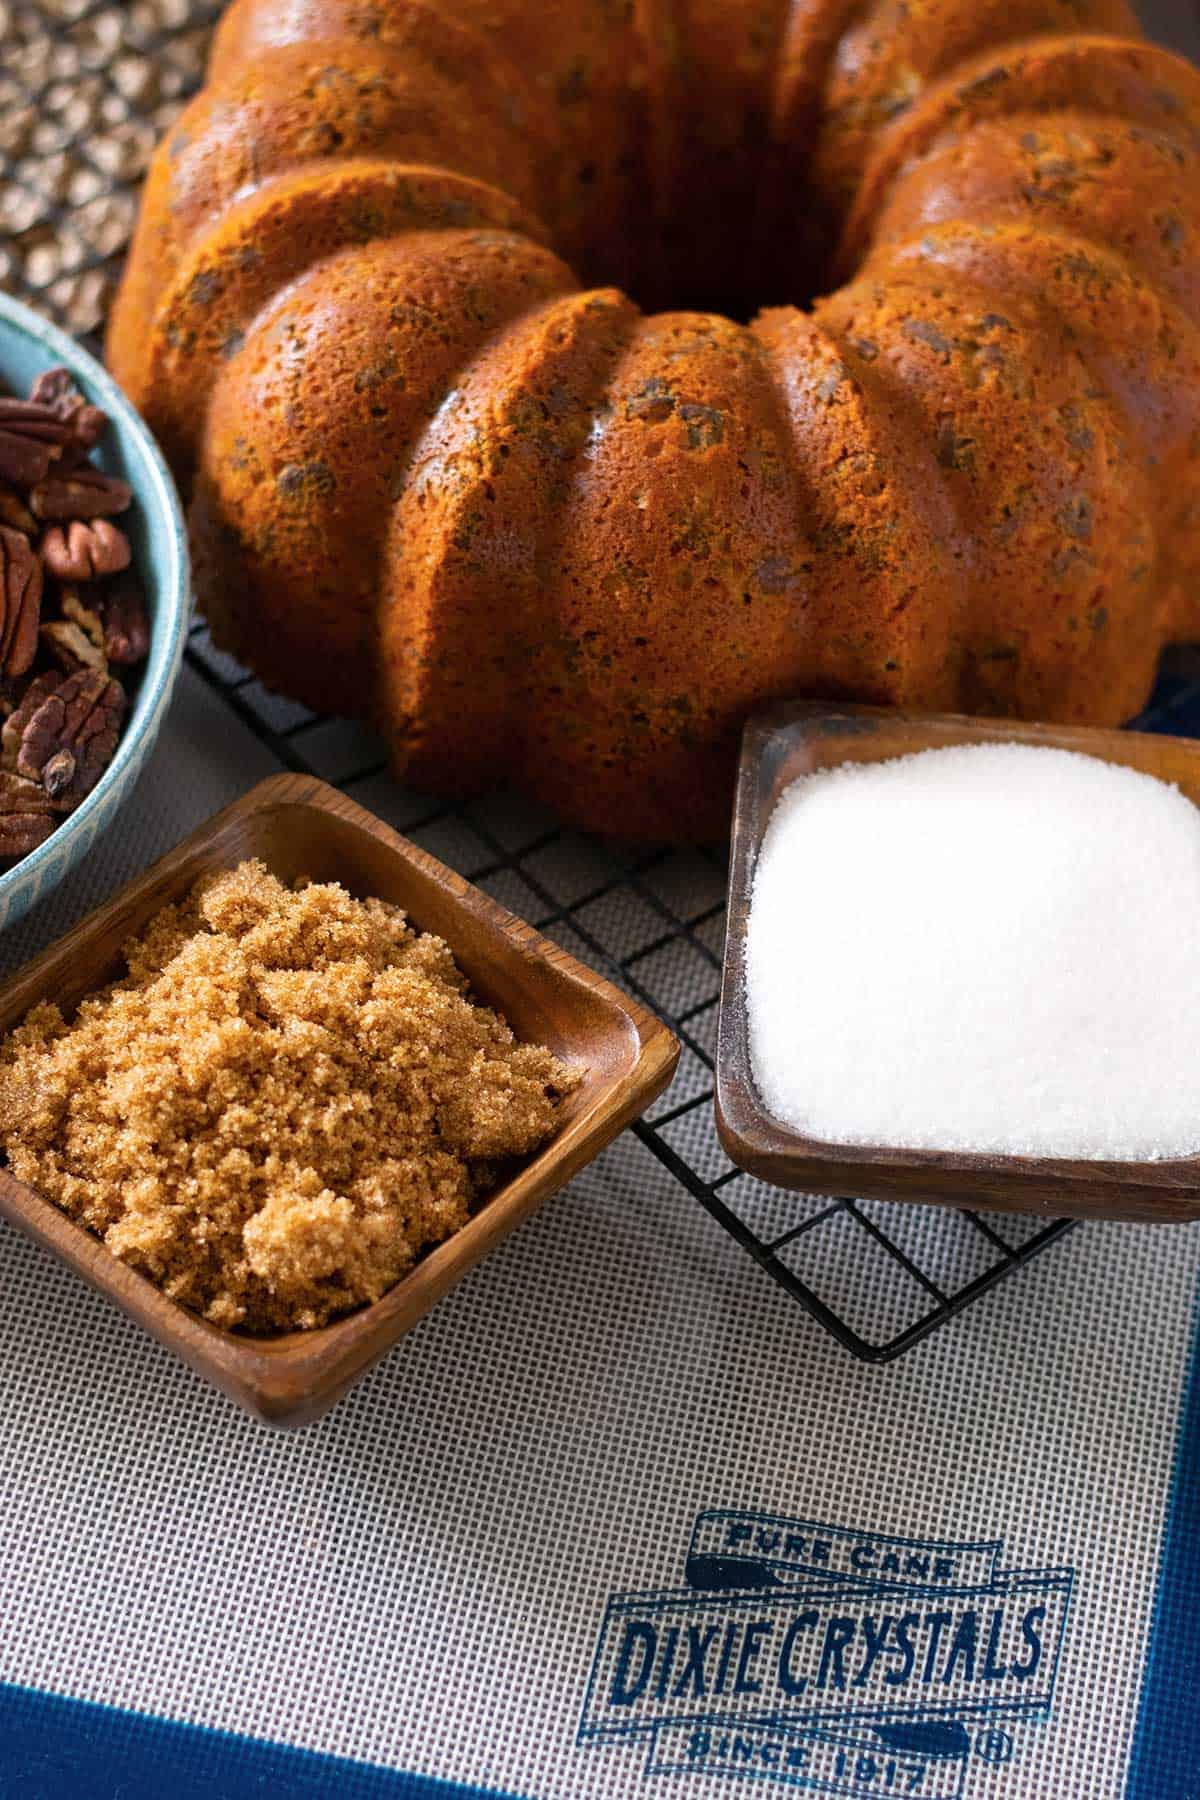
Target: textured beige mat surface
x=422, y=1580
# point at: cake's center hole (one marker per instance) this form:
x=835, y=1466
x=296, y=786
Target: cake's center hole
x=730, y=262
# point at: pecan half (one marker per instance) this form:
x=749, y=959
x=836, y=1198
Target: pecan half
x=72, y=647
x=82, y=550
x=22, y=832
x=21, y=793
x=56, y=389
x=31, y=439
x=26, y=814
x=15, y=513
x=21, y=591
x=81, y=606
x=81, y=493
x=64, y=733
x=12, y=732
x=126, y=626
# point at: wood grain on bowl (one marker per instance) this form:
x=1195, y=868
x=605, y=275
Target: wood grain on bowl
x=298, y=826
x=802, y=738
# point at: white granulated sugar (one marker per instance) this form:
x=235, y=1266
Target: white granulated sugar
x=993, y=947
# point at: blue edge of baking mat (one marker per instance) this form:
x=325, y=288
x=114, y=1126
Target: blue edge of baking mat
x=52, y=1746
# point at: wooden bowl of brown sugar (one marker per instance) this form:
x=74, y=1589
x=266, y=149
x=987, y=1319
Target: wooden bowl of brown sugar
x=299, y=828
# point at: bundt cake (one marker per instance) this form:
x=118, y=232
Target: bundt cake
x=446, y=472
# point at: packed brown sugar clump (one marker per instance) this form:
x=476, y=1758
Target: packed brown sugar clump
x=286, y=1099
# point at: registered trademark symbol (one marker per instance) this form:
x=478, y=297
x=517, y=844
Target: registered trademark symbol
x=994, y=1746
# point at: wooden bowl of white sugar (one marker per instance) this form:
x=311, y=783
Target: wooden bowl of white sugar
x=963, y=963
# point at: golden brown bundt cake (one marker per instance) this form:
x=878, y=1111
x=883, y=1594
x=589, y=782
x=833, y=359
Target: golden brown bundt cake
x=444, y=474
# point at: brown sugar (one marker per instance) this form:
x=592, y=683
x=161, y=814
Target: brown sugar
x=286, y=1099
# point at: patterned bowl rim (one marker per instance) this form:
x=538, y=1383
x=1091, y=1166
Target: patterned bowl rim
x=158, y=496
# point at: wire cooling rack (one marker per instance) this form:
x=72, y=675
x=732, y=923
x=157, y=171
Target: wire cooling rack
x=86, y=87
x=654, y=921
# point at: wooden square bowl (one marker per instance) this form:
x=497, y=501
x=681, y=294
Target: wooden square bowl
x=800, y=738
x=299, y=826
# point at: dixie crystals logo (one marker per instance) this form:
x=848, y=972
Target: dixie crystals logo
x=829, y=1658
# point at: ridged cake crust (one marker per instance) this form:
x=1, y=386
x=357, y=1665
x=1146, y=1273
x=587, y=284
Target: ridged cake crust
x=446, y=473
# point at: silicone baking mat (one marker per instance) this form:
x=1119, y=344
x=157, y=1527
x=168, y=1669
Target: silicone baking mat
x=576, y=1482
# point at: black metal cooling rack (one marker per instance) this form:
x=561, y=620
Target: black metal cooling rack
x=880, y=1278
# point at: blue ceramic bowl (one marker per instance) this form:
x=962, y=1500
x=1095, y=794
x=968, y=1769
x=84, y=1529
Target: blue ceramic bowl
x=154, y=524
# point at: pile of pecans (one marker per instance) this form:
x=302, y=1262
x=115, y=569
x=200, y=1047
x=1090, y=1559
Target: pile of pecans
x=71, y=609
